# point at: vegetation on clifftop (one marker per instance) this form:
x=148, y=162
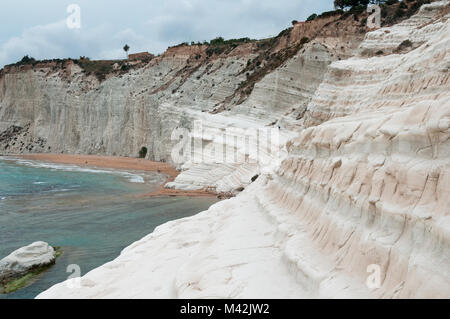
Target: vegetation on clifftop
x=272, y=52
x=98, y=68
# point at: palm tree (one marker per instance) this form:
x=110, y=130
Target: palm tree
x=126, y=48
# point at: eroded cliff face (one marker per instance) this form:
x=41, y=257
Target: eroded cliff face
x=115, y=117
x=267, y=80
x=360, y=198
x=373, y=181
x=59, y=108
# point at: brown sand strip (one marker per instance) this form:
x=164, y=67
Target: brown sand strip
x=122, y=163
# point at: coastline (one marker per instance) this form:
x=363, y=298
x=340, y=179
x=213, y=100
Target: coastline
x=122, y=163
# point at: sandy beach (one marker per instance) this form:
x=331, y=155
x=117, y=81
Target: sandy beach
x=121, y=163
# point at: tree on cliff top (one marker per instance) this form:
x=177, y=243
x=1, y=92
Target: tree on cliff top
x=342, y=4
x=312, y=17
x=126, y=48
x=26, y=59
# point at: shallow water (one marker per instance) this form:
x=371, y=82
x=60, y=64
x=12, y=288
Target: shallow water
x=91, y=214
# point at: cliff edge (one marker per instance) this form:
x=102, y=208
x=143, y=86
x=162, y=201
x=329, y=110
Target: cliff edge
x=358, y=206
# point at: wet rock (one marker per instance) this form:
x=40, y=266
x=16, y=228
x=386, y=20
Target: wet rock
x=25, y=259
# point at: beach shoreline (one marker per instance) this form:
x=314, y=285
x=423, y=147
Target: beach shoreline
x=121, y=163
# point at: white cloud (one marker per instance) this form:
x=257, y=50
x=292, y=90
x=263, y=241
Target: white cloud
x=52, y=41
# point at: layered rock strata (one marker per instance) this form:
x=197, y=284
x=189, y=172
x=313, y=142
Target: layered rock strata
x=355, y=205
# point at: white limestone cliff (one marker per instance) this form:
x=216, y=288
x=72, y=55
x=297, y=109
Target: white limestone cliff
x=364, y=183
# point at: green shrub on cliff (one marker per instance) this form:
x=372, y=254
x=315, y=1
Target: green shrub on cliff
x=341, y=4
x=312, y=17
x=219, y=45
x=391, y=2
x=304, y=40
x=26, y=60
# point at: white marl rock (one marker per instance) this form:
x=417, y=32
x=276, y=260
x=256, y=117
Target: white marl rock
x=365, y=181
x=36, y=255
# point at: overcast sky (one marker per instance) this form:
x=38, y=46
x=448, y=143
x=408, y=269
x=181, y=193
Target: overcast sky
x=39, y=28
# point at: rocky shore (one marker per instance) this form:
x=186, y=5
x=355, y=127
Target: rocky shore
x=22, y=266
x=355, y=178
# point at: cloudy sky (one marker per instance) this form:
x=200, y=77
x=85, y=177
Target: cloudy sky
x=40, y=29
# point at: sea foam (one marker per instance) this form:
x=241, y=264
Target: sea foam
x=131, y=177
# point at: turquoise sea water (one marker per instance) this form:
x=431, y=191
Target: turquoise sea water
x=91, y=214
